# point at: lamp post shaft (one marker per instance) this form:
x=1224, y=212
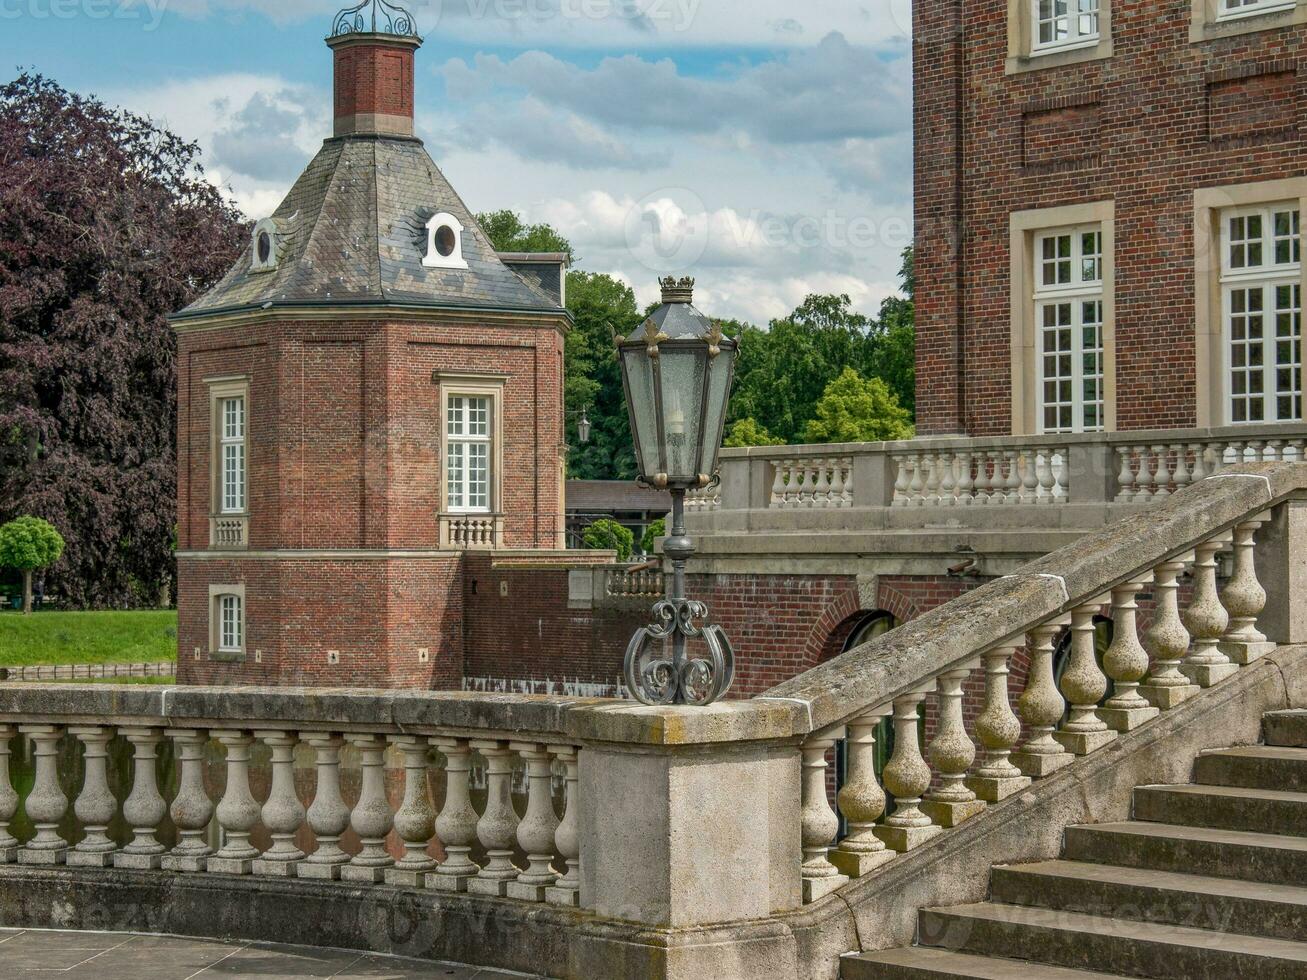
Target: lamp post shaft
x=679, y=549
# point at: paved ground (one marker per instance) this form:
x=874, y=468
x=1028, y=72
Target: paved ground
x=114, y=956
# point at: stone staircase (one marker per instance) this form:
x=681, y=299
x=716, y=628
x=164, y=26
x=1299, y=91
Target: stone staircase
x=1208, y=881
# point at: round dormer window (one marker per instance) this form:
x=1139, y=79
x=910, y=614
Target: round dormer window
x=265, y=246
x=446, y=241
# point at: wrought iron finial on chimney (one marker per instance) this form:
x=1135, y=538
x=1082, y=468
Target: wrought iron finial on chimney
x=677, y=290
x=375, y=17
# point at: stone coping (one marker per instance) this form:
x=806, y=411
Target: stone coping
x=1140, y=437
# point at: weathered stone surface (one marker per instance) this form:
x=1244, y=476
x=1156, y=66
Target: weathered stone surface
x=1286, y=728
x=1233, y=808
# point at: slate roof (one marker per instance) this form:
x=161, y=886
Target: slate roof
x=353, y=231
x=614, y=495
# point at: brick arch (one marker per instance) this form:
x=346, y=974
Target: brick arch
x=893, y=601
x=832, y=628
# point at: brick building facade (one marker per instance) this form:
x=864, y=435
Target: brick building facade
x=371, y=395
x=1156, y=149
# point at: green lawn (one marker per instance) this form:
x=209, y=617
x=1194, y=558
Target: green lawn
x=87, y=637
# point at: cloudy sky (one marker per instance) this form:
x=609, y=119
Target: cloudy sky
x=763, y=147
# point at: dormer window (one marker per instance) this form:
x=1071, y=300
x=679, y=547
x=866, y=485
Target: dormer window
x=444, y=243
x=265, y=246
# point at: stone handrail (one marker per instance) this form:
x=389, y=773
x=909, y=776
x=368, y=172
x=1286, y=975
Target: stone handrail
x=1182, y=652
x=1116, y=467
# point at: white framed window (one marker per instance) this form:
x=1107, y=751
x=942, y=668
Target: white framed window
x=1261, y=300
x=469, y=427
x=1234, y=9
x=233, y=491
x=1068, y=306
x=231, y=624
x=1062, y=24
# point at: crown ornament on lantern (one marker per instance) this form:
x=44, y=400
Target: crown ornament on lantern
x=374, y=17
x=677, y=290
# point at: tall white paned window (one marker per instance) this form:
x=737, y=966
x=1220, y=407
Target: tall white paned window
x=232, y=484
x=1229, y=9
x=231, y=624
x=1068, y=278
x=467, y=462
x=1261, y=290
x=1060, y=24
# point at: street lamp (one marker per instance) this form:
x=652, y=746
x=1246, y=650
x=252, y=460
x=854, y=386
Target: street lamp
x=676, y=369
x=583, y=428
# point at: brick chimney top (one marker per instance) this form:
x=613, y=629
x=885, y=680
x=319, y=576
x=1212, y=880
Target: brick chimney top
x=374, y=44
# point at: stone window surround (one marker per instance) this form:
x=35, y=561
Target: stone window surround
x=475, y=385
x=1023, y=226
x=1022, y=57
x=1209, y=344
x=216, y=592
x=1206, y=25
x=220, y=388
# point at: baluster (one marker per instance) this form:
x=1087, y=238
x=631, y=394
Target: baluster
x=457, y=824
x=837, y=483
x=1125, y=479
x=328, y=815
x=966, y=484
x=807, y=483
x=1012, y=494
x=1162, y=485
x=237, y=811
x=8, y=799
x=917, y=485
x=283, y=813
x=999, y=482
x=567, y=889
x=46, y=804
x=371, y=818
x=539, y=826
x=1216, y=455
x=1041, y=707
x=1258, y=447
x=1201, y=471
x=1083, y=686
x=983, y=483
x=1046, y=493
x=144, y=808
x=948, y=482
x=1181, y=478
x=778, y=484
x=933, y=468
x=1143, y=475
x=1206, y=620
x=819, y=823
x=415, y=821
x=192, y=810
x=951, y=753
x=1244, y=599
x=862, y=801
x=1126, y=663
x=95, y=806
x=1167, y=641
x=900, y=482
x=846, y=467
x=998, y=729
x=497, y=828
x=907, y=776
x=1029, y=492
x=821, y=486
x=1236, y=452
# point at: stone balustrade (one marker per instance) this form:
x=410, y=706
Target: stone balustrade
x=471, y=531
x=1091, y=468
x=1023, y=736
x=229, y=531
x=634, y=583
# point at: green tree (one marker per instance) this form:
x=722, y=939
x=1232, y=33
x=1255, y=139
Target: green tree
x=656, y=530
x=606, y=534
x=747, y=432
x=28, y=543
x=858, y=409
x=509, y=233
x=894, y=339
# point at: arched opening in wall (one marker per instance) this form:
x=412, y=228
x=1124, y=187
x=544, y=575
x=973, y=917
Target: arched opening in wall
x=867, y=627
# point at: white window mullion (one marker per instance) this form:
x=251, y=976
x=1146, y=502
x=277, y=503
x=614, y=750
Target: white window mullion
x=468, y=433
x=1068, y=305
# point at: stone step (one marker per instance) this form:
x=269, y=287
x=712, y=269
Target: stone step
x=1254, y=766
x=1141, y=949
x=924, y=962
x=1272, y=858
x=1286, y=728
x=1199, y=901
x=1230, y=807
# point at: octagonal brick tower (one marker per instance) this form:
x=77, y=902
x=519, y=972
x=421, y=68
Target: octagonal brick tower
x=367, y=396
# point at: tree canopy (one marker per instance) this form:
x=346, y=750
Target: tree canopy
x=606, y=534
x=106, y=226
x=29, y=543
x=858, y=409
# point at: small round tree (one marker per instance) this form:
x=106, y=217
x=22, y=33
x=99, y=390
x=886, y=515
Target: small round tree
x=656, y=530
x=29, y=543
x=606, y=534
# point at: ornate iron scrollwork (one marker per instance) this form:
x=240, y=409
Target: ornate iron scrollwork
x=655, y=675
x=383, y=18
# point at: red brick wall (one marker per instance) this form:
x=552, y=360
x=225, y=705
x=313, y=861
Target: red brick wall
x=973, y=169
x=374, y=78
